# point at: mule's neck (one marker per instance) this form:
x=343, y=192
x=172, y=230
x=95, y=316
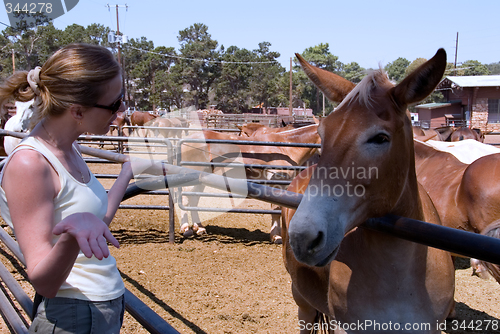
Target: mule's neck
x=409, y=204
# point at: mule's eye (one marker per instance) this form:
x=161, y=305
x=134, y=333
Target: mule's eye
x=379, y=138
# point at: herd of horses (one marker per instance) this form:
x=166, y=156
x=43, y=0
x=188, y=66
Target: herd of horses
x=341, y=272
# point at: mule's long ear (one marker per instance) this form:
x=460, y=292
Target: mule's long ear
x=421, y=82
x=332, y=85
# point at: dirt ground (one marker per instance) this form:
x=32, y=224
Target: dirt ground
x=233, y=280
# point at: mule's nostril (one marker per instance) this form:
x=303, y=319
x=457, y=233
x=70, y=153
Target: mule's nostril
x=315, y=243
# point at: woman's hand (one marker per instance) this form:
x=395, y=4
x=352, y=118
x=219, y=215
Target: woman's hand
x=90, y=232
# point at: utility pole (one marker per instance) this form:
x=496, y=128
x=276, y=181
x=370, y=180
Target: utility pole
x=13, y=62
x=290, y=108
x=456, y=52
x=119, y=43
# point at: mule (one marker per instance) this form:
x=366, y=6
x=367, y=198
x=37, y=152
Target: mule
x=337, y=267
x=248, y=155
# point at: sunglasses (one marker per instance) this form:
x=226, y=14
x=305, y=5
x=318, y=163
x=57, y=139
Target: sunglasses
x=114, y=107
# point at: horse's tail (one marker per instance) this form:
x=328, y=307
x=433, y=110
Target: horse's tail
x=479, y=266
x=321, y=323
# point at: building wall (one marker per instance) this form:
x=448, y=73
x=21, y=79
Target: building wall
x=436, y=117
x=479, y=117
x=478, y=97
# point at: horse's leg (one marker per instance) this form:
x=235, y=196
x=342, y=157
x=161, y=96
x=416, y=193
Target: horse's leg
x=188, y=228
x=275, y=233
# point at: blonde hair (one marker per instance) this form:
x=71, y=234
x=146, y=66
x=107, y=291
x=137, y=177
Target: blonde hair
x=73, y=75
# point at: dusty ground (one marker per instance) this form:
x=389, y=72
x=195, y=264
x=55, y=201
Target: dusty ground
x=233, y=279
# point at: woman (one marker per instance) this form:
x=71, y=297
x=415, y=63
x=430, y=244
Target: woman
x=58, y=210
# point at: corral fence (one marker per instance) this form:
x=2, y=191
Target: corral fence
x=231, y=121
x=459, y=242
x=169, y=149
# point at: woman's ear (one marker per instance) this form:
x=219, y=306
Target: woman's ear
x=76, y=111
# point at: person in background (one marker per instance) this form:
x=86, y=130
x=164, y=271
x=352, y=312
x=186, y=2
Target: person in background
x=58, y=210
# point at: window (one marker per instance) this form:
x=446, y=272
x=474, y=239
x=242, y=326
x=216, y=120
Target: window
x=493, y=110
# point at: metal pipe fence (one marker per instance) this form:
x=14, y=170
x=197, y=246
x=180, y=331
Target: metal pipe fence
x=211, y=164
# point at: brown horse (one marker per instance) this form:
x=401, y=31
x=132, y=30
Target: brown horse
x=255, y=129
x=366, y=170
x=440, y=134
x=466, y=196
x=248, y=155
x=120, y=121
x=467, y=133
x=140, y=118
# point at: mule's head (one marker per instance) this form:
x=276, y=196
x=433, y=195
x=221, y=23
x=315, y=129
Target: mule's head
x=366, y=168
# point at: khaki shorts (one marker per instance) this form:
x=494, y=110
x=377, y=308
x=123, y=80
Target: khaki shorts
x=65, y=315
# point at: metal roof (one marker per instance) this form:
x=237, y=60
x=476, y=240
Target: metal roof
x=475, y=81
x=433, y=105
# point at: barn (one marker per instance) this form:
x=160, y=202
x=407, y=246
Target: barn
x=470, y=100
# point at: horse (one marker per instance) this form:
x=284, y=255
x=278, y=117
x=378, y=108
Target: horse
x=166, y=128
x=18, y=123
x=141, y=118
x=120, y=121
x=338, y=268
x=467, y=133
x=439, y=134
x=174, y=126
x=462, y=187
x=181, y=122
x=467, y=150
x=255, y=129
x=247, y=155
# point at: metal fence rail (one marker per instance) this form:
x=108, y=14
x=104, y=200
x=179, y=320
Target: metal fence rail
x=211, y=164
x=19, y=321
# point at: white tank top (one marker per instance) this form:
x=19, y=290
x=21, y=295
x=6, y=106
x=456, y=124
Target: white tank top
x=90, y=279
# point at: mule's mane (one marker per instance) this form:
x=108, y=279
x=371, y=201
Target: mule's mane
x=362, y=93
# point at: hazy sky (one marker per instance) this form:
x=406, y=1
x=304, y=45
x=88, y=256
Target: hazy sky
x=367, y=32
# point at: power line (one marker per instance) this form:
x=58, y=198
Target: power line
x=206, y=60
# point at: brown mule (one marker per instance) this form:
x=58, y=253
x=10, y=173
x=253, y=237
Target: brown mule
x=355, y=276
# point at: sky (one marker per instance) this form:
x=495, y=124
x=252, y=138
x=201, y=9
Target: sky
x=371, y=33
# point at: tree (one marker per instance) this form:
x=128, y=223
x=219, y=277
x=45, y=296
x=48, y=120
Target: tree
x=397, y=69
x=494, y=68
x=264, y=86
x=143, y=63
x=200, y=64
x=353, y=72
x=321, y=57
x=233, y=86
x=25, y=40
x=414, y=65
x=474, y=67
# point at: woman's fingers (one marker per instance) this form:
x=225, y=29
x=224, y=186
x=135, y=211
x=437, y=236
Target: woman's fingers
x=84, y=245
x=91, y=235
x=111, y=238
x=96, y=248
